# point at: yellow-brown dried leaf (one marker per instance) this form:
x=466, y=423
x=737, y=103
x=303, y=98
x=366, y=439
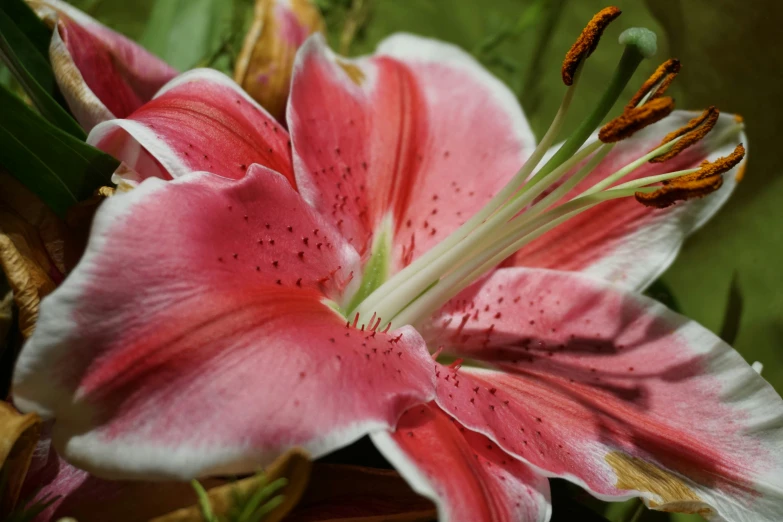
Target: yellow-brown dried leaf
x=18, y=437
x=263, y=67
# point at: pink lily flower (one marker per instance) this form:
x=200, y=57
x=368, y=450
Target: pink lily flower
x=292, y=293
x=102, y=74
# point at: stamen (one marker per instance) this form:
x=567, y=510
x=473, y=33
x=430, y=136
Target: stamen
x=635, y=119
x=689, y=134
x=706, y=180
x=715, y=168
x=587, y=42
x=662, y=77
x=669, y=194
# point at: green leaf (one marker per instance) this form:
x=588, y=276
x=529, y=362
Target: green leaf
x=733, y=313
x=661, y=292
x=256, y=505
x=203, y=501
x=683, y=517
x=21, y=49
x=57, y=167
x=185, y=32
x=28, y=22
x=6, y=78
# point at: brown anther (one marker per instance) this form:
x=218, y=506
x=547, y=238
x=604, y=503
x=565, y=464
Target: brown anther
x=662, y=77
x=670, y=194
x=691, y=133
x=587, y=42
x=708, y=169
x=635, y=119
x=707, y=179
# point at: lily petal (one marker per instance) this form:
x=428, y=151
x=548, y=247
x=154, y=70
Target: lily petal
x=419, y=133
x=194, y=336
x=622, y=241
x=201, y=120
x=469, y=478
x=615, y=392
x=102, y=74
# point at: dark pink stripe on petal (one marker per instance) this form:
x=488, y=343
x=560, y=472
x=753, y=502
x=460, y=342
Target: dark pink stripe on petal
x=589, y=375
x=101, y=73
x=623, y=241
x=470, y=478
x=201, y=121
x=100, y=69
x=419, y=132
x=195, y=336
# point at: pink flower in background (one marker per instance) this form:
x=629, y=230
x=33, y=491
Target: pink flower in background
x=287, y=289
x=102, y=74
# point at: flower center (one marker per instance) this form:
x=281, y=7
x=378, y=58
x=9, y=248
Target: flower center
x=534, y=202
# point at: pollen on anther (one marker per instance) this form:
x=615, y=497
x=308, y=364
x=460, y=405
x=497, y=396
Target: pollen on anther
x=635, y=119
x=670, y=194
x=690, y=133
x=587, y=42
x=719, y=166
x=662, y=78
x=706, y=180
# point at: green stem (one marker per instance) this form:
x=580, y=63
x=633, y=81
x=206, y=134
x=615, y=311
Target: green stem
x=637, y=514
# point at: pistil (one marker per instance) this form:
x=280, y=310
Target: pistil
x=515, y=216
x=636, y=49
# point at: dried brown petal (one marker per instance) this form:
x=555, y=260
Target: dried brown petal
x=16, y=199
x=18, y=437
x=27, y=279
x=263, y=67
